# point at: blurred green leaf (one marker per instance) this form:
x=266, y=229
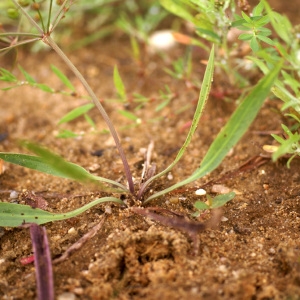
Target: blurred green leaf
x=28, y=78
x=64, y=79
x=221, y=200
x=201, y=205
x=75, y=113
x=119, y=85
x=128, y=115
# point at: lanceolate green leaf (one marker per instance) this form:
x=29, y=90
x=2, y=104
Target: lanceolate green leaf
x=64, y=79
x=119, y=85
x=205, y=89
x=232, y=132
x=29, y=78
x=12, y=215
x=75, y=113
x=53, y=164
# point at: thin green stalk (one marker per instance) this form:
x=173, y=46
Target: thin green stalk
x=49, y=16
x=48, y=40
x=58, y=16
x=41, y=18
x=19, y=44
x=20, y=34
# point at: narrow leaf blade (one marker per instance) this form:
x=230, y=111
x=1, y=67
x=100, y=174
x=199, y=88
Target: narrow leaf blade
x=119, y=85
x=221, y=200
x=28, y=78
x=232, y=132
x=64, y=79
x=75, y=113
x=13, y=215
x=206, y=86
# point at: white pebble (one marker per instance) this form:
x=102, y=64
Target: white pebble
x=13, y=195
x=170, y=176
x=200, y=192
x=161, y=40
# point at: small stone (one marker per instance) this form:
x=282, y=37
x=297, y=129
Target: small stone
x=262, y=172
x=224, y=219
x=13, y=195
x=72, y=231
x=222, y=268
x=66, y=296
x=161, y=40
x=108, y=209
x=200, y=192
x=266, y=186
x=272, y=251
x=174, y=200
x=170, y=176
x=220, y=189
x=94, y=167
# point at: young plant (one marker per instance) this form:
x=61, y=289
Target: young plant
x=286, y=87
x=44, y=34
x=212, y=203
x=254, y=27
x=47, y=162
x=14, y=215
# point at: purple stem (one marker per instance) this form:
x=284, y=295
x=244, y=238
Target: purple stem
x=42, y=262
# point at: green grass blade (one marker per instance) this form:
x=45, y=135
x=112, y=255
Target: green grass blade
x=205, y=89
x=28, y=78
x=75, y=113
x=12, y=215
x=53, y=164
x=232, y=132
x=64, y=79
x=119, y=85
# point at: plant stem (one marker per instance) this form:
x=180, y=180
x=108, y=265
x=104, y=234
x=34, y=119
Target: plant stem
x=48, y=40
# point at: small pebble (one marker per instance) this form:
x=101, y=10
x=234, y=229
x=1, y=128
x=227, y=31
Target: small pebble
x=200, y=192
x=161, y=40
x=272, y=251
x=66, y=296
x=266, y=186
x=221, y=189
x=170, y=176
x=222, y=268
x=108, y=209
x=72, y=231
x=13, y=195
x=224, y=219
x=94, y=167
x=174, y=200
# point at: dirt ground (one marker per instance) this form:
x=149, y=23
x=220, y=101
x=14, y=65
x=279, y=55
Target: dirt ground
x=254, y=253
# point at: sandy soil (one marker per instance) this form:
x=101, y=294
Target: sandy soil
x=254, y=252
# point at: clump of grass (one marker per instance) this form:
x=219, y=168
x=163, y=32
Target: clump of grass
x=227, y=138
x=268, y=45
x=13, y=215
